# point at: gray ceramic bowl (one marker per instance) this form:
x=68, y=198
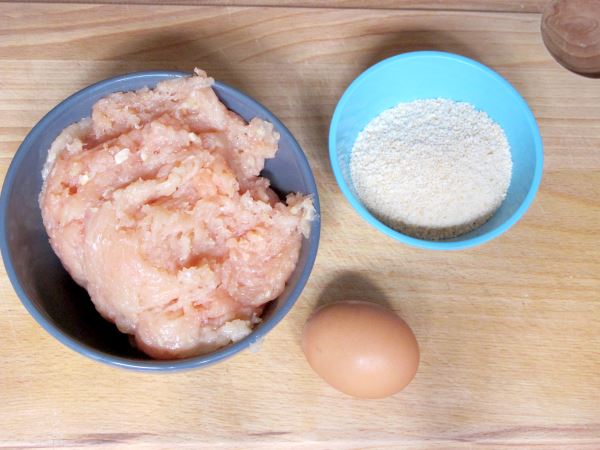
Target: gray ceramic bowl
x=45, y=288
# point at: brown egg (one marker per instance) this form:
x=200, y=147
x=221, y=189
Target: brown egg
x=361, y=348
x=571, y=32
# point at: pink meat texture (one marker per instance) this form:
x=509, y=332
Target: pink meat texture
x=155, y=206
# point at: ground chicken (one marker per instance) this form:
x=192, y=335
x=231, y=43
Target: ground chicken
x=156, y=207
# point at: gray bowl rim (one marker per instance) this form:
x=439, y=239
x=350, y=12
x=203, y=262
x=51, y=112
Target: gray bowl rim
x=111, y=85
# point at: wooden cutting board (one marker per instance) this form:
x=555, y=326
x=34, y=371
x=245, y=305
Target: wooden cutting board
x=509, y=332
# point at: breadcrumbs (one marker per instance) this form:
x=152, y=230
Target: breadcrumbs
x=432, y=168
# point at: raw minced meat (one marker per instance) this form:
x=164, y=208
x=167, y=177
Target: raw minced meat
x=155, y=205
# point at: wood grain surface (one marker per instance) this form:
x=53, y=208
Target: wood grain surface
x=509, y=331
x=460, y=5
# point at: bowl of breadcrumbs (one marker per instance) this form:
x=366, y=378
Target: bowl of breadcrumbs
x=436, y=150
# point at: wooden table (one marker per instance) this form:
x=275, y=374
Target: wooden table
x=509, y=332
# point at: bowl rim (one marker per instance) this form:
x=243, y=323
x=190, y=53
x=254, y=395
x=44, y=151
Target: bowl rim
x=424, y=243
x=110, y=85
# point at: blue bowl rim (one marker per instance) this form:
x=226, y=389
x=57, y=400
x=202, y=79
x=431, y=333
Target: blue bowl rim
x=423, y=243
x=153, y=365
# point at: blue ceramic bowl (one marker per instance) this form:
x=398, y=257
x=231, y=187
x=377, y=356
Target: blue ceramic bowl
x=423, y=75
x=48, y=292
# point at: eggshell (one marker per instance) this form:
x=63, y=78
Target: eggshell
x=361, y=348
